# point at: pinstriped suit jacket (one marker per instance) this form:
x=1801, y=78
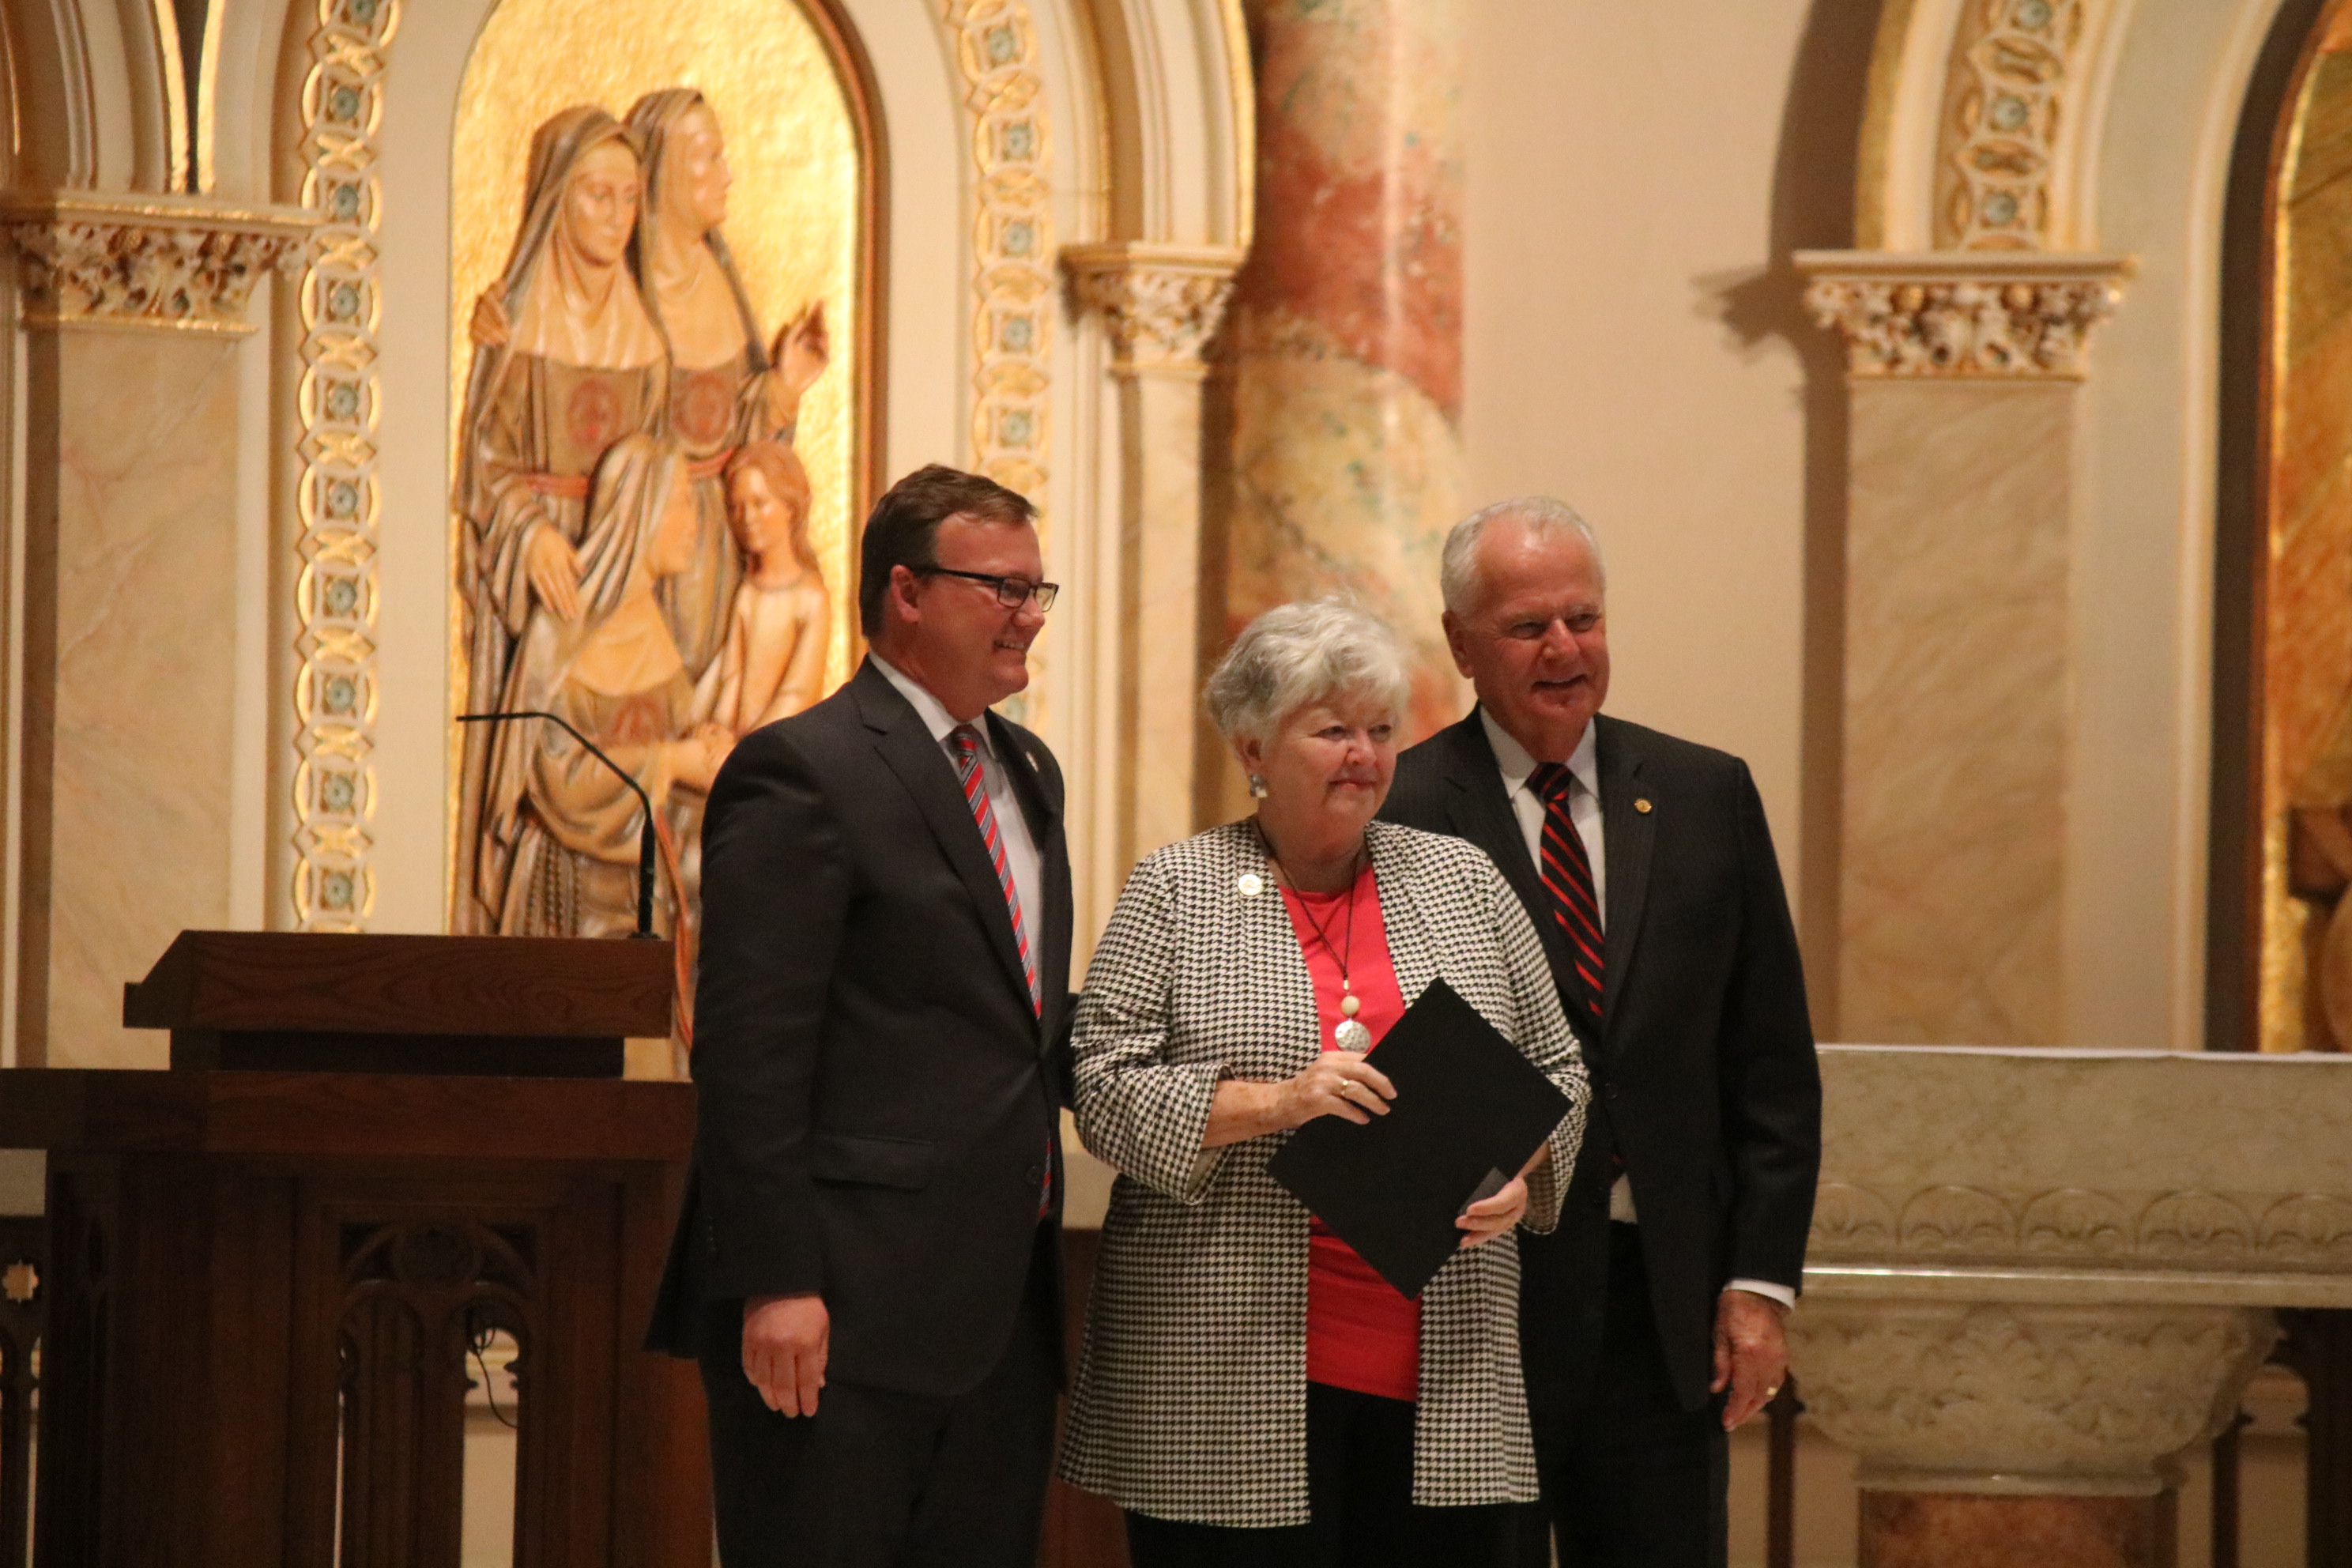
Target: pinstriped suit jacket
x=1190, y=1401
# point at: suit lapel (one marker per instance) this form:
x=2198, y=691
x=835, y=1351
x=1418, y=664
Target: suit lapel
x=921, y=765
x=1481, y=812
x=1628, y=832
x=1041, y=804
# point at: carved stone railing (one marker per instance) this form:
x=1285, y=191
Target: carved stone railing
x=2038, y=1278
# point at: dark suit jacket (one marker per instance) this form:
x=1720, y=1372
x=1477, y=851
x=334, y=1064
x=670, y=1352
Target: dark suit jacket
x=1702, y=1066
x=879, y=1105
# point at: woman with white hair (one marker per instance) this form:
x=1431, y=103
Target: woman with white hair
x=1251, y=1392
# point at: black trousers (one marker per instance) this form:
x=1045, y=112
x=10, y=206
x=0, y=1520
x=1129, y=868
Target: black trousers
x=1631, y=1479
x=877, y=1478
x=1360, y=1492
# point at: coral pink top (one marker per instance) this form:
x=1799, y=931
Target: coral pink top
x=1363, y=1334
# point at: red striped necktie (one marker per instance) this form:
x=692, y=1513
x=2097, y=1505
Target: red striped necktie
x=965, y=739
x=1567, y=872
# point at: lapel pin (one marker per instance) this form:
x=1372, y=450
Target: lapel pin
x=1643, y=806
x=1249, y=884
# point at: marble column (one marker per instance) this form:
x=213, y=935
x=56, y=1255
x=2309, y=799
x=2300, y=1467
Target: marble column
x=133, y=309
x=1345, y=352
x=1963, y=372
x=1160, y=303
x=2016, y=1434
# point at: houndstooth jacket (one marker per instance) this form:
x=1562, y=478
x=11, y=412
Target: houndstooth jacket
x=1191, y=1399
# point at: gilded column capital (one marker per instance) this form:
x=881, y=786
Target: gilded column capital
x=2010, y=1398
x=1995, y=315
x=153, y=263
x=1162, y=303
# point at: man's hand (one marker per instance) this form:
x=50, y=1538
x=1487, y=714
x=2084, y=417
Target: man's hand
x=785, y=1339
x=1751, y=1356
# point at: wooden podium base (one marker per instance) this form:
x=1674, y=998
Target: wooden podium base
x=263, y=1286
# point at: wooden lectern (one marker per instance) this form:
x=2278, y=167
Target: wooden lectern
x=265, y=1273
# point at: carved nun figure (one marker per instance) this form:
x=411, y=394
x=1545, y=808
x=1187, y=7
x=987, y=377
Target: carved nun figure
x=561, y=823
x=725, y=387
x=567, y=362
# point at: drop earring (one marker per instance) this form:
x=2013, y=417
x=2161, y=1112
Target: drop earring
x=1257, y=786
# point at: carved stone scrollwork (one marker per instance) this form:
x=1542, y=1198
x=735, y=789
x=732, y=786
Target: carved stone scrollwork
x=110, y=262
x=1161, y=303
x=2187, y=1231
x=1972, y=315
x=2009, y=1397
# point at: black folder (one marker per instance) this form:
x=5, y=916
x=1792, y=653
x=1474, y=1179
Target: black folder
x=1469, y=1112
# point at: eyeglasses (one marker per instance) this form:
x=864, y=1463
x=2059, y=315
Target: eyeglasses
x=1011, y=592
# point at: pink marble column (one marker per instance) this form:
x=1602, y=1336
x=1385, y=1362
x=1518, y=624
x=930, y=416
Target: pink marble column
x=1345, y=351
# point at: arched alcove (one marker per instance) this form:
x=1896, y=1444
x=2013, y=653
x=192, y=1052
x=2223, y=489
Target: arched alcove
x=2283, y=624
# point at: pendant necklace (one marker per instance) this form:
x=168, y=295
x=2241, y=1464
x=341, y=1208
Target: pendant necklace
x=1349, y=1035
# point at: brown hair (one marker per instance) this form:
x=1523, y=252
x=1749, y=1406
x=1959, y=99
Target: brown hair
x=904, y=527
x=781, y=467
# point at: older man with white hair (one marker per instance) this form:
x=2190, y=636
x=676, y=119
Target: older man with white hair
x=1650, y=1321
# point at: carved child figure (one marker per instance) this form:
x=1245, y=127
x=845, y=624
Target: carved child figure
x=772, y=662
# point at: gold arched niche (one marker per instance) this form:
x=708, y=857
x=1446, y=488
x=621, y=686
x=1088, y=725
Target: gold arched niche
x=2302, y=779
x=794, y=98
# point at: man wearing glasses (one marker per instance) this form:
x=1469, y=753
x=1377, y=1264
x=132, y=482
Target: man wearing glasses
x=867, y=1266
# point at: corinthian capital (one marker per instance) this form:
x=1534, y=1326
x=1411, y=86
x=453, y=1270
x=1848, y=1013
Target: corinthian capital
x=1161, y=303
x=152, y=262
x=1982, y=314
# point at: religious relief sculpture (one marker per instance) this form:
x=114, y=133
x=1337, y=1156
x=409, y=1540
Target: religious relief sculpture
x=610, y=669
x=772, y=661
x=633, y=554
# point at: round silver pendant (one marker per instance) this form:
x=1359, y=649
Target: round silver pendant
x=1351, y=1036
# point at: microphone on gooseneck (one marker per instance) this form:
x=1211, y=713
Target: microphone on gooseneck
x=646, y=839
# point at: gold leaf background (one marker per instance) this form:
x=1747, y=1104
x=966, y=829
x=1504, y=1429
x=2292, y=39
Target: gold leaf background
x=791, y=213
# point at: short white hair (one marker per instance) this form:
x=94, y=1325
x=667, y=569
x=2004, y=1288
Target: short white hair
x=1297, y=655
x=1457, y=571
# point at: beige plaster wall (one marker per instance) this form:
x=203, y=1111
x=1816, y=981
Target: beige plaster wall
x=1633, y=342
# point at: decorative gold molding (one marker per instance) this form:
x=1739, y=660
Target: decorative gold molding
x=336, y=499
x=1240, y=86
x=1161, y=303
x=1013, y=251
x=1999, y=315
x=163, y=14
x=1013, y=279
x=2013, y=67
x=149, y=263
x=1882, y=92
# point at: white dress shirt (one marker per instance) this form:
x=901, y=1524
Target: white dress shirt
x=1011, y=822
x=1584, y=810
